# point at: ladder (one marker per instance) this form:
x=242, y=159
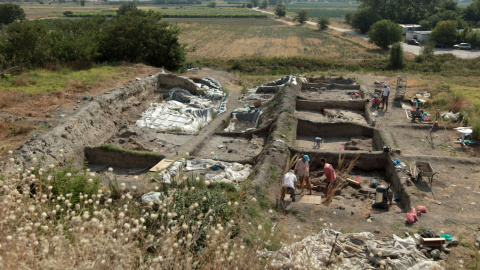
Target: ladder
x=401, y=86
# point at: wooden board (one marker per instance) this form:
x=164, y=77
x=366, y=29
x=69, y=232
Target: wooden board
x=311, y=199
x=163, y=164
x=432, y=242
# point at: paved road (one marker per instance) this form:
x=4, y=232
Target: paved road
x=413, y=49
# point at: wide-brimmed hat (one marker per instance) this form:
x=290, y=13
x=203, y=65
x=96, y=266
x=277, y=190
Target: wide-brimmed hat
x=306, y=158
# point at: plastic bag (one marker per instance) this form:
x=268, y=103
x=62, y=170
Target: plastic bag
x=410, y=218
x=422, y=208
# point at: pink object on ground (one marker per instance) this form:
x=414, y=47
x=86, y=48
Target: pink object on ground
x=340, y=148
x=410, y=218
x=414, y=213
x=422, y=208
x=357, y=179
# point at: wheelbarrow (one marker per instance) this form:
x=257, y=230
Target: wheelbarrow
x=423, y=169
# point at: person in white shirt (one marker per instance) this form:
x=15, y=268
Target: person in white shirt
x=302, y=169
x=385, y=94
x=289, y=183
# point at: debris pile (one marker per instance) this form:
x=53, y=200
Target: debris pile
x=351, y=251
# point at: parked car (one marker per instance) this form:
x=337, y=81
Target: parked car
x=413, y=42
x=439, y=45
x=463, y=46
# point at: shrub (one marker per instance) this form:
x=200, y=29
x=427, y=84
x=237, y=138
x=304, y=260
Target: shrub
x=396, y=56
x=323, y=23
x=280, y=10
x=302, y=16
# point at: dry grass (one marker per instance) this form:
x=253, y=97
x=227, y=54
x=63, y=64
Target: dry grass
x=46, y=229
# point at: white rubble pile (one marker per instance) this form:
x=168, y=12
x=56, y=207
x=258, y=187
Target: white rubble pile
x=356, y=251
x=265, y=95
x=184, y=111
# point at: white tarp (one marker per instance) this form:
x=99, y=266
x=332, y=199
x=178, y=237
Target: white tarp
x=184, y=111
x=231, y=172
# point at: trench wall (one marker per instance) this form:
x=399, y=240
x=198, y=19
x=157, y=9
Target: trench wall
x=94, y=123
x=120, y=159
x=340, y=129
x=357, y=105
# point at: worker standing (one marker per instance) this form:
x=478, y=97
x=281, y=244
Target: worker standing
x=302, y=169
x=329, y=174
x=385, y=94
x=289, y=183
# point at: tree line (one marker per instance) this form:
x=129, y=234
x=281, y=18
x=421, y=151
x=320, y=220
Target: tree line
x=424, y=12
x=132, y=35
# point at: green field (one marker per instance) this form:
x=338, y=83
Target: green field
x=330, y=13
x=318, y=5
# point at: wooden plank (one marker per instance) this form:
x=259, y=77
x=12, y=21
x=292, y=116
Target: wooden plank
x=433, y=242
x=163, y=164
x=311, y=199
x=353, y=182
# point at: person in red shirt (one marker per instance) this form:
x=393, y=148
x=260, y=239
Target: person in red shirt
x=329, y=174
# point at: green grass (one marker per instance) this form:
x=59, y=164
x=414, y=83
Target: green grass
x=113, y=148
x=330, y=13
x=47, y=81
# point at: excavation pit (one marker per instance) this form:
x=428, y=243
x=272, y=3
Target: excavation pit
x=147, y=139
x=366, y=166
x=337, y=136
x=338, y=92
x=232, y=148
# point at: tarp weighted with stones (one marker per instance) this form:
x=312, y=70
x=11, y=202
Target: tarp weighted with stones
x=359, y=251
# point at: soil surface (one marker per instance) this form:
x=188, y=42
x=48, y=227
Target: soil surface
x=332, y=115
x=318, y=94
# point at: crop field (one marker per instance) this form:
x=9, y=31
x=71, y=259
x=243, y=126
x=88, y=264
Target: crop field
x=330, y=10
x=237, y=37
x=37, y=11
x=351, y=5
x=330, y=13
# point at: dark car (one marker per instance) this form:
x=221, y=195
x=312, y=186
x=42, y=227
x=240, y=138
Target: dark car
x=439, y=45
x=413, y=42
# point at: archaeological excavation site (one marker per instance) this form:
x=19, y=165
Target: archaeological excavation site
x=164, y=129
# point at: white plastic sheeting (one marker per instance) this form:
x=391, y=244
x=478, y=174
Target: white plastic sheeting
x=231, y=173
x=184, y=111
x=359, y=251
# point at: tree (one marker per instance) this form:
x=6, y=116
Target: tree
x=472, y=12
x=26, y=43
x=445, y=32
x=142, y=37
x=323, y=23
x=364, y=19
x=445, y=15
x=82, y=3
x=302, y=16
x=396, y=56
x=280, y=10
x=264, y=4
x=10, y=13
x=212, y=4
x=384, y=33
x=129, y=7
x=473, y=38
x=349, y=18
x=255, y=3
x=250, y=5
